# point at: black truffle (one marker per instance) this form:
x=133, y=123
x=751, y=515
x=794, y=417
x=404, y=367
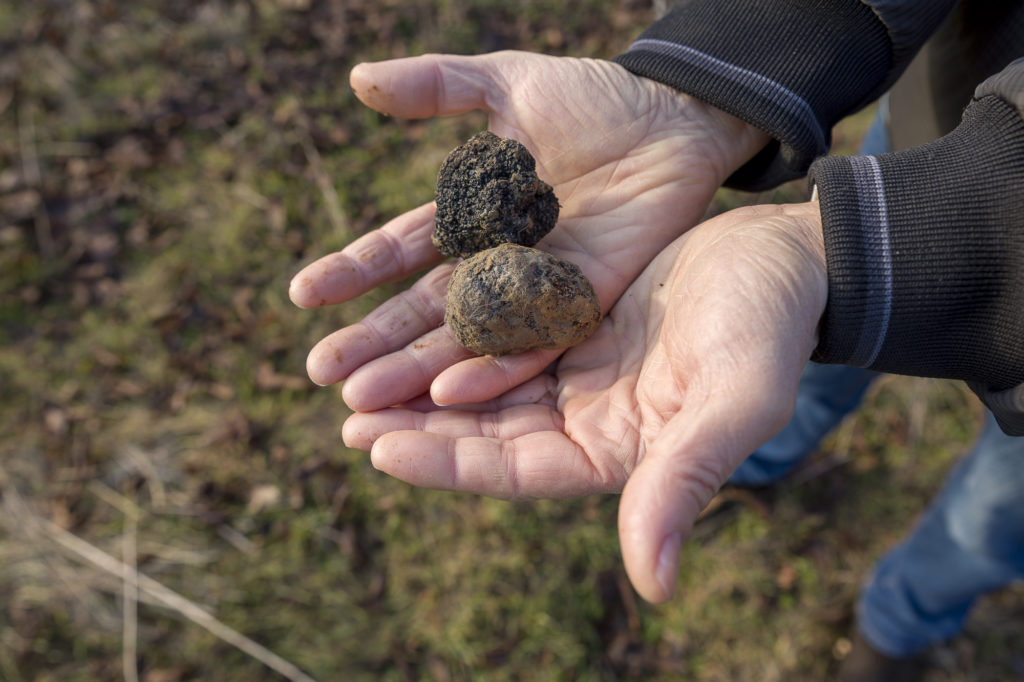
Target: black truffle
x=488, y=193
x=511, y=299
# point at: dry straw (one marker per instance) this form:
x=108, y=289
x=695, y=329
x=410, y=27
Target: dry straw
x=135, y=584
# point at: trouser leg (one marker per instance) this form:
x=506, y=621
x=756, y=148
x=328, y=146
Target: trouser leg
x=970, y=541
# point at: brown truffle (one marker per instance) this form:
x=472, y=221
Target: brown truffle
x=488, y=193
x=511, y=299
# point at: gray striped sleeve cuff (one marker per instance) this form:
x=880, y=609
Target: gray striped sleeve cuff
x=801, y=123
x=861, y=290
x=791, y=69
x=924, y=251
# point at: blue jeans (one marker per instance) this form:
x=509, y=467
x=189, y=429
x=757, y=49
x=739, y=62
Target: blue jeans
x=970, y=540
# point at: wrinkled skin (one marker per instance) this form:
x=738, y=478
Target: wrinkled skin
x=634, y=164
x=694, y=367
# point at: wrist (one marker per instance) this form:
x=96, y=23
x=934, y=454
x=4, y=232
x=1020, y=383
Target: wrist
x=807, y=233
x=807, y=228
x=924, y=252
x=726, y=141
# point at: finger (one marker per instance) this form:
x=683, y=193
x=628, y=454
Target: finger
x=541, y=390
x=391, y=326
x=361, y=430
x=540, y=464
x=483, y=378
x=398, y=249
x=404, y=374
x=428, y=85
x=691, y=458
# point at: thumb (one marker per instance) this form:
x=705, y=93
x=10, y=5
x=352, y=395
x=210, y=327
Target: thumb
x=428, y=85
x=687, y=463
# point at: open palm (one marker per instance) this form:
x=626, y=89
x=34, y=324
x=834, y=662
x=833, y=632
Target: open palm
x=633, y=162
x=694, y=368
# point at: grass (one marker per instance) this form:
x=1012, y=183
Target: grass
x=164, y=169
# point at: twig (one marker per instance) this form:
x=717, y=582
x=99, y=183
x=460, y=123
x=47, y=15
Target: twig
x=153, y=589
x=34, y=179
x=148, y=469
x=172, y=600
x=237, y=539
x=130, y=605
x=115, y=499
x=323, y=182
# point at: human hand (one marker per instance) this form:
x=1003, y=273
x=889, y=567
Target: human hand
x=633, y=162
x=695, y=367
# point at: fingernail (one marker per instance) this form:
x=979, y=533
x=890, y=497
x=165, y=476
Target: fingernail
x=377, y=455
x=345, y=433
x=313, y=370
x=668, y=562
x=440, y=402
x=293, y=292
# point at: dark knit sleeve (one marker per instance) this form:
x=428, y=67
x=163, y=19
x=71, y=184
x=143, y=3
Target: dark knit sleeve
x=790, y=67
x=925, y=254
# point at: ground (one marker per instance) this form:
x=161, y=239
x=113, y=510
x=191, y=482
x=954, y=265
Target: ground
x=164, y=169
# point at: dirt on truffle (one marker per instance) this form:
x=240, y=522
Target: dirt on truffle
x=511, y=299
x=488, y=193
